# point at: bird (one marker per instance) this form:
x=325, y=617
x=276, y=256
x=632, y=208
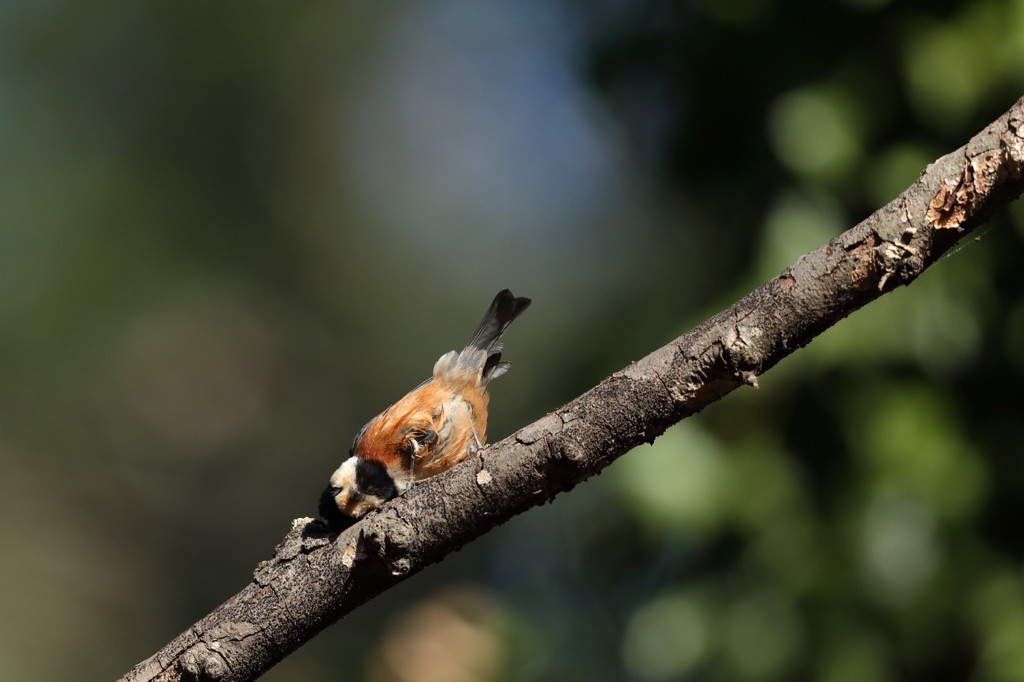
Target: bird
x=432, y=428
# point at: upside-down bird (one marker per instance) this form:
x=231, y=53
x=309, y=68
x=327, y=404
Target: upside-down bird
x=431, y=429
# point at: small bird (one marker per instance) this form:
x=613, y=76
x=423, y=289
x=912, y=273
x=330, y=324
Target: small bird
x=431, y=429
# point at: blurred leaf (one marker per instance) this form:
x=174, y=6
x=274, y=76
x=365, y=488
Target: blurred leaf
x=998, y=607
x=667, y=637
x=763, y=637
x=679, y=482
x=911, y=443
x=814, y=132
x=855, y=657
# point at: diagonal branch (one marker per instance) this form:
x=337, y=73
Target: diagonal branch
x=314, y=579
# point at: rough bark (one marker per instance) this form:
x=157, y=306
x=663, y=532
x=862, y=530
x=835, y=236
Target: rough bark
x=314, y=579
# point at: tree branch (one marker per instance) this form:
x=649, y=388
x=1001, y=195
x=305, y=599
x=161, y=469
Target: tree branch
x=314, y=579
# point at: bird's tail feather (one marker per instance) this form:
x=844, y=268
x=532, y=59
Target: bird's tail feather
x=504, y=309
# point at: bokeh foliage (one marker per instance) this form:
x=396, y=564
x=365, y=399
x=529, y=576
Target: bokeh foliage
x=232, y=232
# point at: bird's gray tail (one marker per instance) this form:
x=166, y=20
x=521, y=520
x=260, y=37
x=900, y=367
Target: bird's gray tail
x=504, y=309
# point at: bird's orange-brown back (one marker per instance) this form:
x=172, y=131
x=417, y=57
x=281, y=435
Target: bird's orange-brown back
x=437, y=425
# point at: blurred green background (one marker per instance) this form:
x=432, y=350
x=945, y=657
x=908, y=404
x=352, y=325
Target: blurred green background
x=230, y=233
